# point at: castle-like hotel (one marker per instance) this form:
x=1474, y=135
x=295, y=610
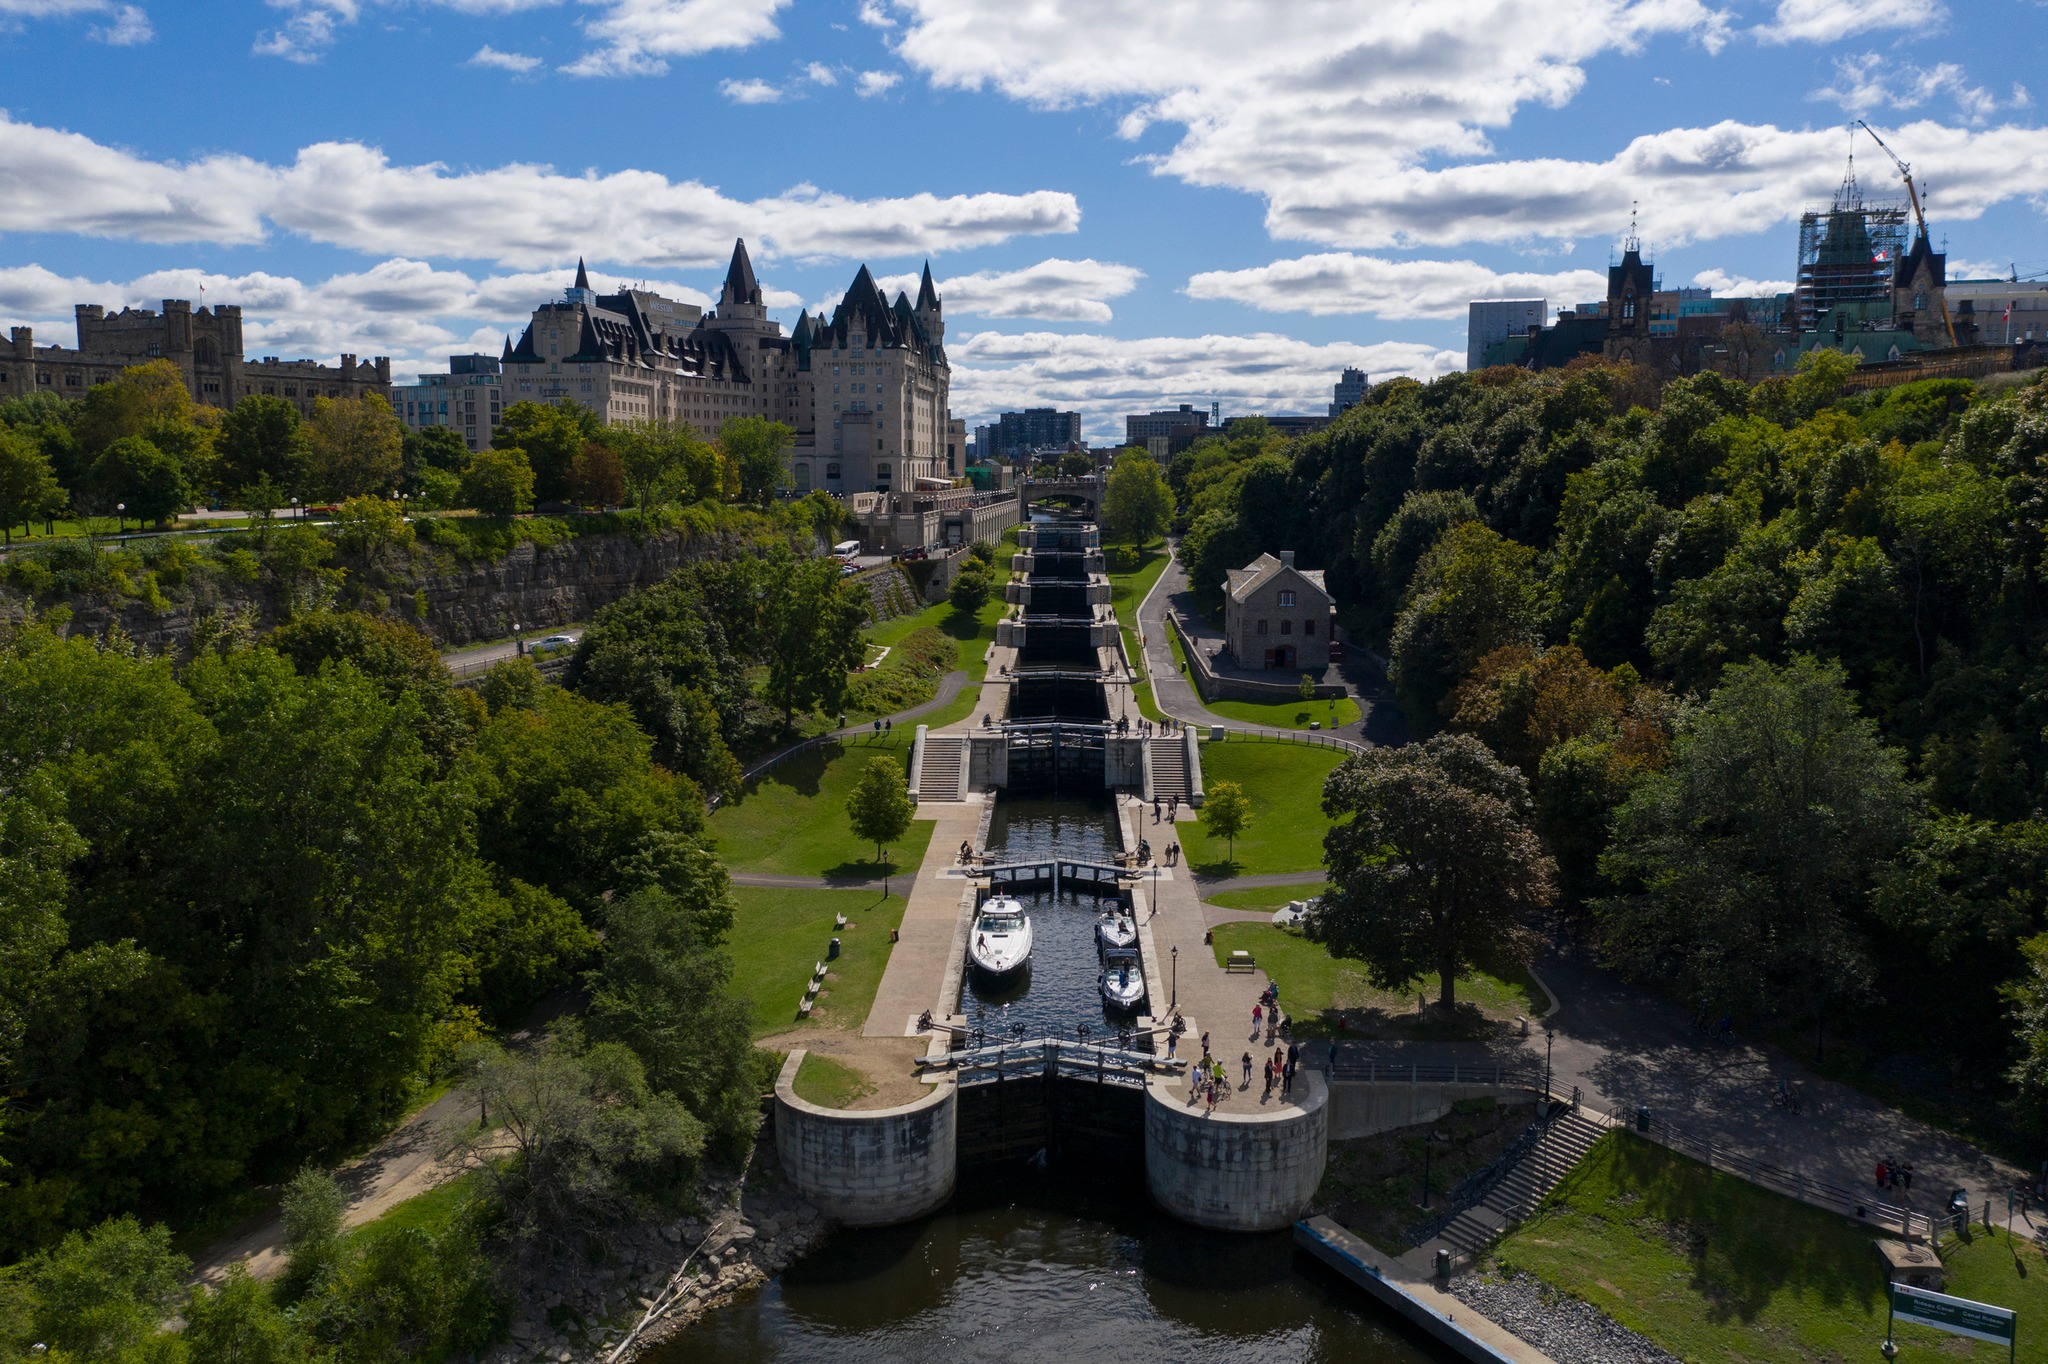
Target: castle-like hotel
x=866, y=392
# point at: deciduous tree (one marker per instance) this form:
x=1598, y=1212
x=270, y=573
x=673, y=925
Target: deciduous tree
x=758, y=450
x=1136, y=503
x=879, y=808
x=1226, y=814
x=498, y=482
x=355, y=446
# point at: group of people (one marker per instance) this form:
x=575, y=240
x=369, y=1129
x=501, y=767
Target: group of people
x=1893, y=1177
x=1172, y=808
x=1266, y=1013
x=1207, y=1077
x=1169, y=726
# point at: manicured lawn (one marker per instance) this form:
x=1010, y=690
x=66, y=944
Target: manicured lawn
x=1285, y=783
x=959, y=708
x=974, y=633
x=430, y=1212
x=829, y=1084
x=1312, y=981
x=1131, y=578
x=791, y=820
x=1718, y=1271
x=1265, y=897
x=1288, y=714
x=778, y=935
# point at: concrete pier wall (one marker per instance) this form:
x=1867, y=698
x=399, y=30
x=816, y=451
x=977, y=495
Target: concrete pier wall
x=868, y=1168
x=1235, y=1171
x=1361, y=1109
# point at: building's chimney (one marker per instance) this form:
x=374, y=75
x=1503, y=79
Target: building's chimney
x=1287, y=558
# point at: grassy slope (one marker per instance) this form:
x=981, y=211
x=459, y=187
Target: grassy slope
x=779, y=935
x=1311, y=980
x=829, y=1084
x=1720, y=1272
x=1265, y=897
x=791, y=820
x=1285, y=783
x=1288, y=714
x=1130, y=578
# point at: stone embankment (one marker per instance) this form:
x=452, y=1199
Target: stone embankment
x=1558, y=1324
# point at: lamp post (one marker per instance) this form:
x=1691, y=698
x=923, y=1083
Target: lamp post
x=1174, y=1002
x=518, y=644
x=1548, y=1038
x=295, y=509
x=121, y=521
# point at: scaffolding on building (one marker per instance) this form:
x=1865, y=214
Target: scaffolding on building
x=1847, y=252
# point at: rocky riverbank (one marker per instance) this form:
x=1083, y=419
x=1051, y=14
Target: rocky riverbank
x=1563, y=1327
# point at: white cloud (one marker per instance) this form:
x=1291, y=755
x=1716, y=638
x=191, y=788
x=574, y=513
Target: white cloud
x=1105, y=377
x=518, y=215
x=309, y=28
x=750, y=91
x=1874, y=80
x=1726, y=285
x=1310, y=104
x=874, y=83
x=517, y=63
x=1340, y=282
x=1055, y=290
x=127, y=26
x=637, y=37
x=817, y=73
x=131, y=28
x=872, y=12
x=1827, y=21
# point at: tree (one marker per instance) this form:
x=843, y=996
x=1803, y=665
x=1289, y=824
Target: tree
x=311, y=1210
x=1136, y=503
x=134, y=473
x=426, y=448
x=597, y=476
x=237, y=1323
x=498, y=482
x=971, y=589
x=29, y=489
x=363, y=526
x=550, y=435
x=1474, y=592
x=1226, y=813
x=355, y=446
x=1521, y=701
x=759, y=450
x=879, y=808
x=102, y=1293
x=262, y=442
x=811, y=622
x=1433, y=865
x=1747, y=863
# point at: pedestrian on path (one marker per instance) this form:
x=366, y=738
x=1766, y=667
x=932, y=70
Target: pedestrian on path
x=1155, y=809
x=1257, y=1015
x=1172, y=1041
x=1247, y=1071
x=1287, y=1079
x=1882, y=1171
x=1293, y=1055
x=1906, y=1176
x=1268, y=1091
x=1205, y=1044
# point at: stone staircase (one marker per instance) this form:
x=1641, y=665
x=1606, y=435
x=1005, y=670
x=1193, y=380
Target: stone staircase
x=1167, y=757
x=1568, y=1138
x=944, y=774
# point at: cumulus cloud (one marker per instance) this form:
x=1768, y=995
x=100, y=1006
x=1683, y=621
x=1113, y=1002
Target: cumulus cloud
x=309, y=28
x=519, y=215
x=126, y=25
x=874, y=83
x=1876, y=81
x=1055, y=290
x=1827, y=21
x=637, y=37
x=1340, y=282
x=750, y=91
x=518, y=63
x=1726, y=285
x=1104, y=377
x=817, y=73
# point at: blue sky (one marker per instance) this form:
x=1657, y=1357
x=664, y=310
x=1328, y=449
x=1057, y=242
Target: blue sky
x=1126, y=202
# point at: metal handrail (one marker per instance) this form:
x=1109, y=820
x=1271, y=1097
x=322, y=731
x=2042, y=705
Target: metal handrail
x=1372, y=1071
x=1474, y=1188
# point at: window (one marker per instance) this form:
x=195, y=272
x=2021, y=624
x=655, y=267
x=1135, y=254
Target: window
x=881, y=471
x=1308, y=627
x=1287, y=599
x=1262, y=627
x=1628, y=307
x=831, y=471
x=1286, y=627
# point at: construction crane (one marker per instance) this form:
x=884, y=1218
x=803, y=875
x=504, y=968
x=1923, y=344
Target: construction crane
x=1919, y=217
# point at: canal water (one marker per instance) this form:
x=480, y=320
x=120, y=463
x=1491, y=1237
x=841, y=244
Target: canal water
x=1058, y=991
x=1019, y=1275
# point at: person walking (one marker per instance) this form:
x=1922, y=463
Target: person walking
x=1205, y=1044
x=1882, y=1171
x=1172, y=1041
x=1287, y=1078
x=1247, y=1072
x=1267, y=1093
x=1257, y=1015
x=1293, y=1055
x=1155, y=809
x=1906, y=1176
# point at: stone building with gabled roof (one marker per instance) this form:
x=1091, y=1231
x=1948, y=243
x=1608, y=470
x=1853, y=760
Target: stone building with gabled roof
x=866, y=392
x=1278, y=616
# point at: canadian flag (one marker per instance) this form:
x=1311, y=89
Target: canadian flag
x=2008, y=313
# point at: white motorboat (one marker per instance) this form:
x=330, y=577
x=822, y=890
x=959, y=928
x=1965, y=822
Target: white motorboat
x=1002, y=937
x=1123, y=984
x=1116, y=930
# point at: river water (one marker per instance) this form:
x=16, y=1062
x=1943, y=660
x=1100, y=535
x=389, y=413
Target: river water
x=1034, y=1273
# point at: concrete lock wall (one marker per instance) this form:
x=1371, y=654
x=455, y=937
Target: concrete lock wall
x=1235, y=1171
x=1361, y=1109
x=867, y=1168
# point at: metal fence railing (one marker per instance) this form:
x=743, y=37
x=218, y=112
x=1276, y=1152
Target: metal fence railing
x=1474, y=1188
x=1311, y=738
x=1369, y=1071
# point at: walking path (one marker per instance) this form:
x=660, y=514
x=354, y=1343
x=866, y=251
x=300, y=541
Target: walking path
x=950, y=687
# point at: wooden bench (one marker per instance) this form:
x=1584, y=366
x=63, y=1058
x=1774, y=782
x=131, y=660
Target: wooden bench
x=1239, y=962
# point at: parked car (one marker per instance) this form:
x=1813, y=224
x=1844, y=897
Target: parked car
x=553, y=644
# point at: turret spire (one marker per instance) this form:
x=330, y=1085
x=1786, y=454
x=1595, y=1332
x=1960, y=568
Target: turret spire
x=582, y=276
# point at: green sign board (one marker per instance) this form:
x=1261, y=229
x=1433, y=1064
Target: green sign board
x=1957, y=1316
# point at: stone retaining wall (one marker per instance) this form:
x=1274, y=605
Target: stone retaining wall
x=867, y=1168
x=1235, y=1171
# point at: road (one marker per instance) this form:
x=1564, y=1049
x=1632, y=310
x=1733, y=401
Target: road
x=479, y=657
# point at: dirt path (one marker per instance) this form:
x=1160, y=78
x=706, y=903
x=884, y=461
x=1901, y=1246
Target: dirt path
x=401, y=1166
x=885, y=1061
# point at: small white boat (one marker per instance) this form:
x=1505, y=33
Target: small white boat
x=1002, y=937
x=1123, y=984
x=1116, y=930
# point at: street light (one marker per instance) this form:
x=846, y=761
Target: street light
x=1548, y=1038
x=122, y=520
x=518, y=644
x=1174, y=1002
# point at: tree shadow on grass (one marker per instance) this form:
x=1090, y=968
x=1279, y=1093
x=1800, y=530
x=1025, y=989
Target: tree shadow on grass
x=856, y=873
x=1221, y=870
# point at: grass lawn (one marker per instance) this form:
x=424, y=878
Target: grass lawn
x=1288, y=714
x=1130, y=578
x=829, y=1084
x=1285, y=783
x=959, y=708
x=791, y=820
x=430, y=1212
x=778, y=935
x=1721, y=1272
x=974, y=633
x=1313, y=983
x=1265, y=897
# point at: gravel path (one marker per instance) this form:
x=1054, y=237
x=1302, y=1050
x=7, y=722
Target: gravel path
x=1563, y=1327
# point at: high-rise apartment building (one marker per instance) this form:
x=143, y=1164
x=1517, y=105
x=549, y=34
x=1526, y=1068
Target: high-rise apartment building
x=469, y=399
x=1180, y=427
x=1351, y=386
x=1494, y=320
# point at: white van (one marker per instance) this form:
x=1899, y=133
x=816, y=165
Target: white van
x=846, y=549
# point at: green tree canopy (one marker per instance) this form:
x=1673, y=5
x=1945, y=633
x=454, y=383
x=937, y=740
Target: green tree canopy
x=1137, y=506
x=262, y=440
x=29, y=489
x=498, y=482
x=1226, y=813
x=1474, y=592
x=550, y=436
x=133, y=473
x=356, y=446
x=879, y=808
x=759, y=452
